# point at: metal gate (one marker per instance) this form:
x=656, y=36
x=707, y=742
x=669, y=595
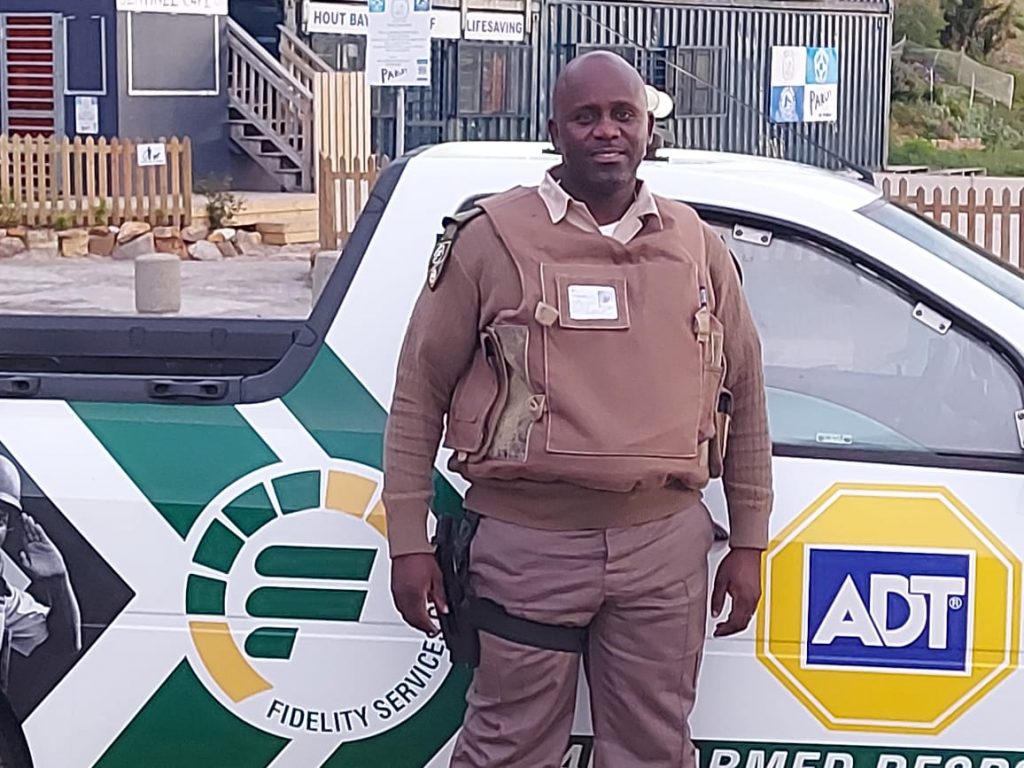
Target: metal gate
x=31, y=74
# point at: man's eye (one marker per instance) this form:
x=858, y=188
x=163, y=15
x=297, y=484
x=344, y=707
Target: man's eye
x=624, y=115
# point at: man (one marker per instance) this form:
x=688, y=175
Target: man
x=575, y=336
x=26, y=623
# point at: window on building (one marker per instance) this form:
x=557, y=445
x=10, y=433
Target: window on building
x=628, y=52
x=849, y=363
x=701, y=87
x=651, y=63
x=190, y=67
x=491, y=79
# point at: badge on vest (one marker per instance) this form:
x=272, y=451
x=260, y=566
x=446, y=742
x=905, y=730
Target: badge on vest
x=438, y=258
x=592, y=302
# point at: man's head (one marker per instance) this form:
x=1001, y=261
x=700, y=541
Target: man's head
x=10, y=495
x=600, y=124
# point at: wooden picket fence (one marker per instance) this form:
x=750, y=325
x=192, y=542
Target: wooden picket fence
x=991, y=218
x=344, y=191
x=64, y=183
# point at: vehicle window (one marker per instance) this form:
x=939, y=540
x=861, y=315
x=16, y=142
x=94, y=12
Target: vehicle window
x=970, y=259
x=848, y=364
x=256, y=299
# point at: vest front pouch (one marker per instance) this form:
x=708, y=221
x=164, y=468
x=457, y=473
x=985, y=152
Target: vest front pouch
x=479, y=395
x=622, y=366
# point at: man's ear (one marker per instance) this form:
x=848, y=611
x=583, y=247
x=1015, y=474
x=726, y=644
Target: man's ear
x=553, y=133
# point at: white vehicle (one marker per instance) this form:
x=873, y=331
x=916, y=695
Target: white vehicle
x=214, y=487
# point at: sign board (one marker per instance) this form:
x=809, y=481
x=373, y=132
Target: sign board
x=485, y=25
x=354, y=19
x=87, y=115
x=804, y=84
x=198, y=7
x=151, y=154
x=398, y=43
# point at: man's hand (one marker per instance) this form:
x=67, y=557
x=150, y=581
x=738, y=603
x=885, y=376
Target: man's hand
x=40, y=557
x=415, y=581
x=739, y=576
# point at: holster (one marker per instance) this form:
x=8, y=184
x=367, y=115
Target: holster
x=718, y=444
x=451, y=549
x=468, y=614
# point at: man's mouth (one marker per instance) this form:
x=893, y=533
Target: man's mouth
x=608, y=155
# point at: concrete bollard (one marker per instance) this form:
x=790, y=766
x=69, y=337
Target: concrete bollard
x=158, y=283
x=324, y=265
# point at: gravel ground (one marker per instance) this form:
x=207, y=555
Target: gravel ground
x=269, y=286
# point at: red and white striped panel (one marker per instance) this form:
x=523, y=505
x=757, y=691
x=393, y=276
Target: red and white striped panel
x=29, y=103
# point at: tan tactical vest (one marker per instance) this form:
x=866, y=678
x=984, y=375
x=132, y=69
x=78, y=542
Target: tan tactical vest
x=608, y=373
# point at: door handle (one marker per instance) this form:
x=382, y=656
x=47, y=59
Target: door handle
x=209, y=389
x=18, y=386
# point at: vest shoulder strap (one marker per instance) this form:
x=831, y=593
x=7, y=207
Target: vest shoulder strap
x=443, y=248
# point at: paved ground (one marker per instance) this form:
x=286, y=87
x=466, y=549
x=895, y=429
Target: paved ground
x=275, y=286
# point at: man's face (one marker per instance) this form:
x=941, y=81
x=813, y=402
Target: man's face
x=601, y=126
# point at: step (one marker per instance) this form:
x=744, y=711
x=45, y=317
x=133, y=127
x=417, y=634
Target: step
x=288, y=232
x=300, y=209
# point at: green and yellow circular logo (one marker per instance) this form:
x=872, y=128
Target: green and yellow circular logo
x=289, y=607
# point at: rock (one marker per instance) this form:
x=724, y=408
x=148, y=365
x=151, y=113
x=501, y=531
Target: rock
x=3, y=234
x=165, y=233
x=248, y=242
x=204, y=250
x=101, y=231
x=132, y=230
x=41, y=240
x=19, y=232
x=102, y=245
x=173, y=244
x=74, y=243
x=134, y=248
x=222, y=235
x=228, y=249
x=194, y=233
x=11, y=246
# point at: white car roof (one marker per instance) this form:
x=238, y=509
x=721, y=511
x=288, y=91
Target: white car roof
x=767, y=185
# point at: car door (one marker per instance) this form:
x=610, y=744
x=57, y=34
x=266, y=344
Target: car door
x=888, y=633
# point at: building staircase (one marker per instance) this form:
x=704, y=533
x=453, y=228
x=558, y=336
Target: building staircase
x=271, y=112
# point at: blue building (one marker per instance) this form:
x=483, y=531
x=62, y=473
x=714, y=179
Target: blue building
x=116, y=68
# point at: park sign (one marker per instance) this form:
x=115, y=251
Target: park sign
x=398, y=43
x=804, y=84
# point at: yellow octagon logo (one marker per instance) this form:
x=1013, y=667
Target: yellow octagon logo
x=889, y=608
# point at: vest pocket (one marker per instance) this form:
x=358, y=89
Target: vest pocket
x=479, y=394
x=712, y=371
x=622, y=365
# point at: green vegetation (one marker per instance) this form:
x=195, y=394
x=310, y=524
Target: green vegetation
x=222, y=205
x=935, y=120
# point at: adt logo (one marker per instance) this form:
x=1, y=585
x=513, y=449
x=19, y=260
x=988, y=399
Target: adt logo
x=871, y=608
x=889, y=608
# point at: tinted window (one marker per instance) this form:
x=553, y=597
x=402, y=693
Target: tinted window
x=847, y=363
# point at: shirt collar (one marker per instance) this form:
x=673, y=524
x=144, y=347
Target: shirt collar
x=557, y=201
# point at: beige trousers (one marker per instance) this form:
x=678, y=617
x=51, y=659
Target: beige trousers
x=644, y=588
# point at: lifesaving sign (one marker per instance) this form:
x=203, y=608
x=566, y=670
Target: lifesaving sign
x=889, y=608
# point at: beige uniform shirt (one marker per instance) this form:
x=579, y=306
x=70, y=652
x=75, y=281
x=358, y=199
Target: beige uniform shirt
x=562, y=206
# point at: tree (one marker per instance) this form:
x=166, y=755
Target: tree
x=919, y=21
x=977, y=27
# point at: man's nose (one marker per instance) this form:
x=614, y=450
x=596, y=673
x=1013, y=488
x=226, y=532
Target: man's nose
x=607, y=128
